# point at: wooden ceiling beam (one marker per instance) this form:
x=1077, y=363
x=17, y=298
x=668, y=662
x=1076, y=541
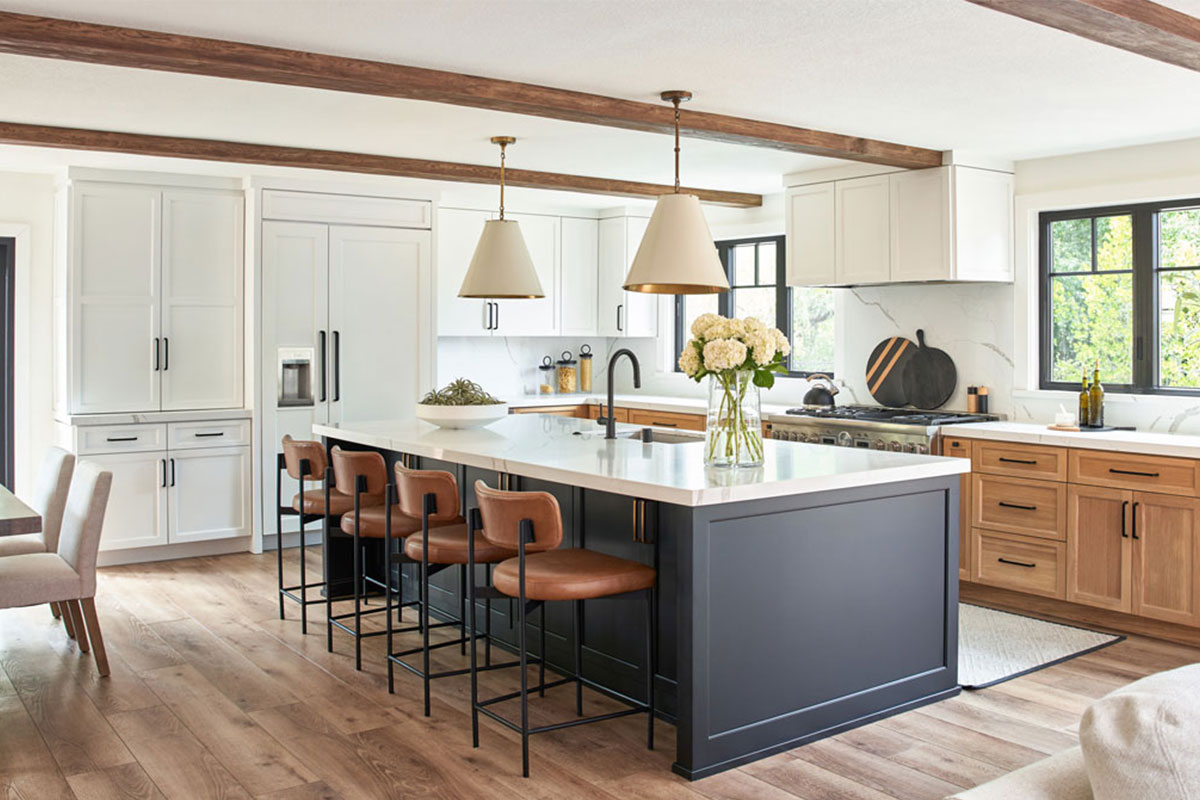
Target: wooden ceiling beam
x=1139, y=26
x=141, y=144
x=47, y=37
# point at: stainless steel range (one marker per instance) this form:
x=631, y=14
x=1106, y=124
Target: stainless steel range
x=908, y=430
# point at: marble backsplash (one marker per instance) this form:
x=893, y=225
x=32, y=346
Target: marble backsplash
x=508, y=366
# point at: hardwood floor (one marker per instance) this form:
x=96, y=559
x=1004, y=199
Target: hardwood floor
x=212, y=696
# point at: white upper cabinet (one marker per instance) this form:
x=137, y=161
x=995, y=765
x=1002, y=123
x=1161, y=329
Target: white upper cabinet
x=202, y=322
x=862, y=229
x=536, y=317
x=622, y=313
x=951, y=223
x=811, y=256
x=458, y=232
x=577, y=277
x=154, y=292
x=114, y=298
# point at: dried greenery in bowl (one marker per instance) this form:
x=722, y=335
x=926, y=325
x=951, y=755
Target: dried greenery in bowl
x=461, y=392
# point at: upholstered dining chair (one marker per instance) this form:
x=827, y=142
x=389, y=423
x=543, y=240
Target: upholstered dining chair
x=67, y=577
x=49, y=498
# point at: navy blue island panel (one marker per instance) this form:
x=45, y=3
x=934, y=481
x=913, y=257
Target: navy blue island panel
x=780, y=621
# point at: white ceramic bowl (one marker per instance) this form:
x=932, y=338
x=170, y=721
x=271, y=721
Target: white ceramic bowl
x=462, y=416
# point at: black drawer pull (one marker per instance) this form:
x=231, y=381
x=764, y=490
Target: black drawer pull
x=1016, y=563
x=122, y=439
x=1030, y=462
x=208, y=435
x=1124, y=516
x=1017, y=506
x=666, y=424
x=1116, y=471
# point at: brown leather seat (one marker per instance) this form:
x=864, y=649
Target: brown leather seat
x=572, y=575
x=373, y=522
x=448, y=545
x=314, y=502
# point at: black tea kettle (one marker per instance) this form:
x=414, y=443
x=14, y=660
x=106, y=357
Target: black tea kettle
x=822, y=392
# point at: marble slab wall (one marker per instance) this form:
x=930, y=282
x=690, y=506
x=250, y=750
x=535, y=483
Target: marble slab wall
x=508, y=366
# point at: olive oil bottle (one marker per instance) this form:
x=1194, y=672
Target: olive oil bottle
x=1096, y=400
x=1085, y=414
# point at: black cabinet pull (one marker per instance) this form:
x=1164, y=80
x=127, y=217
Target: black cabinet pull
x=166, y=354
x=619, y=307
x=1135, y=508
x=209, y=435
x=496, y=327
x=121, y=439
x=1116, y=471
x=164, y=473
x=337, y=366
x=156, y=354
x=1017, y=506
x=172, y=472
x=1028, y=461
x=1025, y=564
x=667, y=424
x=1124, y=516
x=321, y=339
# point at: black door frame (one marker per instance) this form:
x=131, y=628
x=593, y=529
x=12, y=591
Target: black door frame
x=8, y=308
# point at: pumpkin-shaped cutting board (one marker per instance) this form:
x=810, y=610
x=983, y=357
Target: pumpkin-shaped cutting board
x=885, y=370
x=929, y=377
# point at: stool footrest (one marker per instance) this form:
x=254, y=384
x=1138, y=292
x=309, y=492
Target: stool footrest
x=513, y=695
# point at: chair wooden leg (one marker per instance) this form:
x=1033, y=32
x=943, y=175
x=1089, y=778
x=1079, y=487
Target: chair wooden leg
x=93, y=633
x=68, y=623
x=54, y=610
x=77, y=622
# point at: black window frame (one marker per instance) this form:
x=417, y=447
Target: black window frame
x=1145, y=271
x=8, y=285
x=783, y=296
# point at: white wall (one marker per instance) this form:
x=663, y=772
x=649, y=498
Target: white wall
x=27, y=212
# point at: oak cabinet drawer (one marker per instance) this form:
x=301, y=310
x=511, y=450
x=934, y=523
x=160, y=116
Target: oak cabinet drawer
x=222, y=433
x=1020, y=460
x=1131, y=471
x=667, y=419
x=1020, y=563
x=1017, y=505
x=579, y=411
x=597, y=411
x=96, y=439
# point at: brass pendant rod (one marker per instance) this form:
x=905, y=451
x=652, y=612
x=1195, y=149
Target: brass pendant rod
x=502, y=146
x=676, y=101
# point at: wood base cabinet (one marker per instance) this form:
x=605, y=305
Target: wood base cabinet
x=961, y=448
x=1134, y=552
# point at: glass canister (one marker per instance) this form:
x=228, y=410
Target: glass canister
x=585, y=368
x=568, y=374
x=546, y=381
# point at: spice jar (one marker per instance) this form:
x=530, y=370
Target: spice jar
x=585, y=368
x=546, y=382
x=568, y=374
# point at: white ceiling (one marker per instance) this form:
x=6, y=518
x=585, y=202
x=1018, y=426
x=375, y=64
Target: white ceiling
x=943, y=74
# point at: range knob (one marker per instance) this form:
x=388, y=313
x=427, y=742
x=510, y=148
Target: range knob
x=922, y=448
x=879, y=444
x=844, y=439
x=909, y=447
x=894, y=447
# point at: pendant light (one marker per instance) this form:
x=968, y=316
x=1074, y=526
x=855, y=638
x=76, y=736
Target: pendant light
x=677, y=254
x=501, y=267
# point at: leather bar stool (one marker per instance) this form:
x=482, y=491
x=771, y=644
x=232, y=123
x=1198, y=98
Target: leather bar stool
x=432, y=496
x=531, y=522
x=373, y=516
x=304, y=461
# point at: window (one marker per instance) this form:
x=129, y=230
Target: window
x=756, y=271
x=1121, y=290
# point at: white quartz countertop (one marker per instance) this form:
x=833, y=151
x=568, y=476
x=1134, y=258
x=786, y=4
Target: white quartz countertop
x=150, y=417
x=1162, y=444
x=574, y=451
x=649, y=402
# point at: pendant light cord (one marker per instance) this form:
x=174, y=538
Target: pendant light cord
x=676, y=102
x=502, y=146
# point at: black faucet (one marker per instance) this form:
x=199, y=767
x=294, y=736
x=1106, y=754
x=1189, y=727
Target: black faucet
x=609, y=422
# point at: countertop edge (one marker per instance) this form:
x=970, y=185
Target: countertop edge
x=1138, y=442
x=153, y=417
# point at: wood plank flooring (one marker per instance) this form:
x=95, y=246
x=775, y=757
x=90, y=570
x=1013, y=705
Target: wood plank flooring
x=212, y=696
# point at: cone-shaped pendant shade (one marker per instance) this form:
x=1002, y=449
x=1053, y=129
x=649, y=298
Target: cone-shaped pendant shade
x=501, y=267
x=677, y=254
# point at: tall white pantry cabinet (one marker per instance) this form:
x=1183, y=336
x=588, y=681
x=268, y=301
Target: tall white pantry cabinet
x=149, y=368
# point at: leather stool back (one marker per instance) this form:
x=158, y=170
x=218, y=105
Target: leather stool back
x=413, y=484
x=296, y=450
x=503, y=512
x=349, y=465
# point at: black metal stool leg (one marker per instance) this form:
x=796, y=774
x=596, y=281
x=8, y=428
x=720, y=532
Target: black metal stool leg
x=651, y=668
x=303, y=554
x=462, y=609
x=521, y=645
x=471, y=528
x=325, y=567
x=578, y=631
x=359, y=488
x=280, y=463
x=387, y=581
x=487, y=623
x=542, y=651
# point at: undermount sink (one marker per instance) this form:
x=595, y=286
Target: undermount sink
x=664, y=436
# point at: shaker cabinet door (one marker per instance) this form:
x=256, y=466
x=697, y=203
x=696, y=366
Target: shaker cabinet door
x=534, y=316
x=458, y=232
x=114, y=295
x=577, y=277
x=863, y=230
x=136, y=515
x=202, y=317
x=1099, y=547
x=1165, y=557
x=209, y=493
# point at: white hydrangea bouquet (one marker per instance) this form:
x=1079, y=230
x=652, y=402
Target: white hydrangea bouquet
x=738, y=356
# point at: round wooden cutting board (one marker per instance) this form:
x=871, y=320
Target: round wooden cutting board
x=885, y=370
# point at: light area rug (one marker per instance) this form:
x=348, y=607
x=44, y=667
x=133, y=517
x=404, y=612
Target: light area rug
x=996, y=646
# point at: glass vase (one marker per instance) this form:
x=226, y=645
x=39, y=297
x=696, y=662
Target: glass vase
x=733, y=432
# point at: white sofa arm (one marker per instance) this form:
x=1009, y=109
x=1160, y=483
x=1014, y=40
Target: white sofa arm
x=1059, y=777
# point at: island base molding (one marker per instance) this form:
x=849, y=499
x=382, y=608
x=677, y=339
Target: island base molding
x=1055, y=610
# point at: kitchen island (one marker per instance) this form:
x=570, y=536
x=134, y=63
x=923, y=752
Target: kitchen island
x=807, y=596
